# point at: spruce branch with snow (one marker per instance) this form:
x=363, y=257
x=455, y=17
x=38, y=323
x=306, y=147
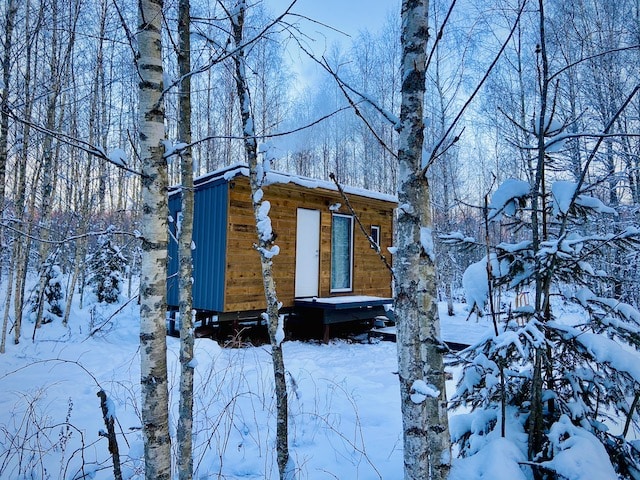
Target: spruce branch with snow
x=567, y=361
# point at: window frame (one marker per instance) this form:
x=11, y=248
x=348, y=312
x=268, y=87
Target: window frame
x=376, y=237
x=350, y=252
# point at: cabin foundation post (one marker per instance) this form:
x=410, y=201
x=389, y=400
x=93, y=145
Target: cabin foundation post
x=327, y=333
x=172, y=323
x=236, y=328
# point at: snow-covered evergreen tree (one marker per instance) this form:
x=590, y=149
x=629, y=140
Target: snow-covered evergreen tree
x=52, y=298
x=561, y=363
x=558, y=376
x=589, y=343
x=107, y=266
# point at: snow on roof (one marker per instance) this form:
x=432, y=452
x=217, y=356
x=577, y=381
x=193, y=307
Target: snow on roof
x=272, y=177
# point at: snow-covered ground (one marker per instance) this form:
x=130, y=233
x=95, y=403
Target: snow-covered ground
x=345, y=418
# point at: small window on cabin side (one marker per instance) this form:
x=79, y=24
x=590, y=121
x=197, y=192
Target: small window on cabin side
x=375, y=236
x=341, y=253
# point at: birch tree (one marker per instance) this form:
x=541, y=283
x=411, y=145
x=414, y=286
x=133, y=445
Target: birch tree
x=153, y=351
x=59, y=71
x=11, y=9
x=22, y=246
x=264, y=244
x=93, y=126
x=185, y=418
x=420, y=363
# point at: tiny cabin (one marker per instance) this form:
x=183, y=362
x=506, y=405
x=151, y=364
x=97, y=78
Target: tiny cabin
x=326, y=269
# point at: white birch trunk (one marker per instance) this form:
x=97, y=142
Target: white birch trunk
x=264, y=245
x=22, y=244
x=425, y=424
x=11, y=9
x=153, y=349
x=185, y=414
x=48, y=160
x=85, y=195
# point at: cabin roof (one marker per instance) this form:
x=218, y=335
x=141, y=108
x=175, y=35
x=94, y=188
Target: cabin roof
x=273, y=177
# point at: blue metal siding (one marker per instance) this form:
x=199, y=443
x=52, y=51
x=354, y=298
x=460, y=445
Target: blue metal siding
x=172, y=266
x=210, y=237
x=209, y=257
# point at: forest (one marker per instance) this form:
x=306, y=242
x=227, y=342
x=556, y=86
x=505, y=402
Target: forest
x=508, y=131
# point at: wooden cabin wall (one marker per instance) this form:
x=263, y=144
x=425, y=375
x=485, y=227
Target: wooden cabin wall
x=244, y=289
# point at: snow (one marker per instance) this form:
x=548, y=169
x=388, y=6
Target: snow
x=515, y=247
x=172, y=148
x=563, y=193
x=490, y=456
x=420, y=390
x=507, y=198
x=552, y=125
x=272, y=177
x=118, y=156
x=577, y=452
x=111, y=408
x=426, y=242
x=556, y=143
x=193, y=363
x=264, y=222
x=453, y=238
x=270, y=252
x=475, y=280
x=345, y=405
x=268, y=151
x=280, y=330
x=594, y=204
x=348, y=299
x=485, y=464
x=475, y=284
x=345, y=419
x=604, y=350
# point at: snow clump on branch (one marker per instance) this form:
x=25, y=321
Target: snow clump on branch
x=420, y=390
x=507, y=198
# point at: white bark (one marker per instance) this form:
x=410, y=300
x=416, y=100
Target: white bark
x=153, y=355
x=263, y=246
x=185, y=418
x=425, y=424
x=11, y=9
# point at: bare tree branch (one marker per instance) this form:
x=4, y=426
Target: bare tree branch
x=434, y=152
x=73, y=142
x=373, y=244
x=591, y=57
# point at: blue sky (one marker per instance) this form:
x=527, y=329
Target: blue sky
x=347, y=16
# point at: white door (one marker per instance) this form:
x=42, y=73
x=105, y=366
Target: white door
x=307, y=253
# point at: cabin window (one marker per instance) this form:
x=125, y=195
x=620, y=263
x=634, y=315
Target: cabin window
x=341, y=253
x=375, y=236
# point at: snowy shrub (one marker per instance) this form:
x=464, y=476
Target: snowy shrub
x=106, y=269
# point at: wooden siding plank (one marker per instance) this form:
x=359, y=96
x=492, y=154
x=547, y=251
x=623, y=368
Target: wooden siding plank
x=243, y=286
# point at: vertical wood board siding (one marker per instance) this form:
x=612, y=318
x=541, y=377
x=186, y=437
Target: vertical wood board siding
x=243, y=279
